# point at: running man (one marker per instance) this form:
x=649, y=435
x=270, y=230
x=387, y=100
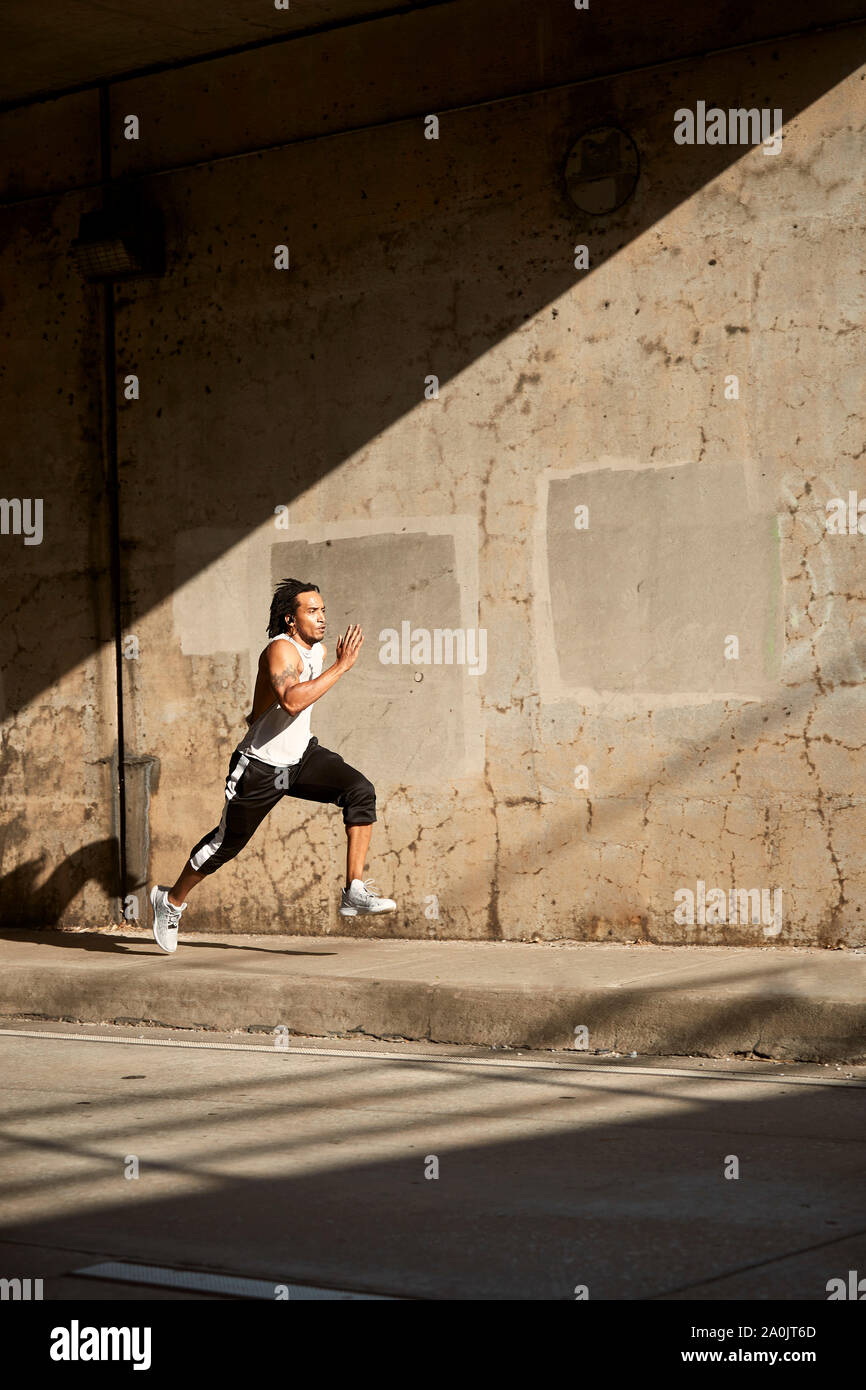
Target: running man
x=277, y=757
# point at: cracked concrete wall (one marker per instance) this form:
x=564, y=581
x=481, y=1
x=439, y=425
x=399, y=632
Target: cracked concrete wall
x=612, y=755
x=58, y=746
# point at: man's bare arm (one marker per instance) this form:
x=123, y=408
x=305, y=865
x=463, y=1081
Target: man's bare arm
x=283, y=668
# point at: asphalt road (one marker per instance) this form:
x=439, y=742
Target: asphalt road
x=309, y=1170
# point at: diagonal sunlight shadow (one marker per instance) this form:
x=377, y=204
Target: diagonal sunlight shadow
x=360, y=1070
x=751, y=722
x=472, y=275
x=448, y=1076
x=634, y=1204
x=737, y=1016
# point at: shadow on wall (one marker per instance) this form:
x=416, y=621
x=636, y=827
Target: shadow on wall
x=24, y=904
x=302, y=386
x=844, y=922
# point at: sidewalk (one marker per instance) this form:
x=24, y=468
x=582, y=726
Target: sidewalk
x=788, y=1003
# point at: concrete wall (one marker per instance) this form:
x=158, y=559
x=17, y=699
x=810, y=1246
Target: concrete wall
x=560, y=388
x=58, y=743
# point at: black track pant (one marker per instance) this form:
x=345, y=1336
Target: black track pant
x=253, y=788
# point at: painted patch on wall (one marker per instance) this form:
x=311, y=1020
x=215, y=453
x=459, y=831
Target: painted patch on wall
x=663, y=579
x=406, y=720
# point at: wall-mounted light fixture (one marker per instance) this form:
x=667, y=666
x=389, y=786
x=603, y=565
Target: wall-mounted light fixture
x=602, y=170
x=122, y=241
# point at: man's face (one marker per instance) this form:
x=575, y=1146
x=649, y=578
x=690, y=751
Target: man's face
x=310, y=616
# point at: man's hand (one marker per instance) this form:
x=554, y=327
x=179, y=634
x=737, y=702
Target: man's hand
x=349, y=646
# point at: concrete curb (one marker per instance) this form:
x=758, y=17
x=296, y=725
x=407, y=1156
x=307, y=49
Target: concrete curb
x=775, y=1016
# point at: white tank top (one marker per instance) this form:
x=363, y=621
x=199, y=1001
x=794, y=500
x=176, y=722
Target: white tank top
x=277, y=737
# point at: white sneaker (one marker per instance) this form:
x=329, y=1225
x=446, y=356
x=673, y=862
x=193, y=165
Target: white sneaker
x=166, y=918
x=357, y=898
